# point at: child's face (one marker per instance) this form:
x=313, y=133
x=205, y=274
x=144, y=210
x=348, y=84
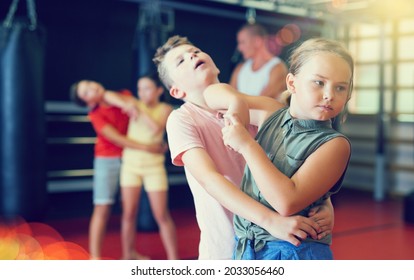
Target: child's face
x=320, y=88
x=148, y=91
x=190, y=69
x=91, y=92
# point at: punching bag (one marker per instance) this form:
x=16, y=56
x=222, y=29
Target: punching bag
x=144, y=54
x=147, y=43
x=23, y=190
x=149, y=35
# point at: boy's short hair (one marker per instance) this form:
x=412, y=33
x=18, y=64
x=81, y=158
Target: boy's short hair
x=159, y=56
x=255, y=29
x=73, y=93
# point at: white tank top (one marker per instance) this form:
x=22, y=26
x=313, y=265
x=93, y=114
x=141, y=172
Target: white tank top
x=252, y=82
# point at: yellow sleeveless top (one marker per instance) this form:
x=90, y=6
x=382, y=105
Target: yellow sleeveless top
x=139, y=131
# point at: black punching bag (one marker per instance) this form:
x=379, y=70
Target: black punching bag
x=145, y=219
x=23, y=190
x=149, y=35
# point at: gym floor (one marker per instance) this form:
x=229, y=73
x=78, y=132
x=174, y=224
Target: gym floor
x=364, y=229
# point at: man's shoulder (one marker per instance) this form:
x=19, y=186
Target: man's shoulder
x=244, y=63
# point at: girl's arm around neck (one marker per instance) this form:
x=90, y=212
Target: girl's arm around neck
x=113, y=135
x=314, y=178
x=223, y=97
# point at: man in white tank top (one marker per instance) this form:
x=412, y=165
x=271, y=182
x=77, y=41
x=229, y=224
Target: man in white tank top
x=261, y=73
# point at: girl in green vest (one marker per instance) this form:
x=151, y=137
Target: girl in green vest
x=297, y=159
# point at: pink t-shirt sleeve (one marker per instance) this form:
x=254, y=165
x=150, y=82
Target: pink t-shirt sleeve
x=182, y=136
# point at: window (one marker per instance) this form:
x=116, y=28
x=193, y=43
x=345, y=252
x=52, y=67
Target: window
x=365, y=42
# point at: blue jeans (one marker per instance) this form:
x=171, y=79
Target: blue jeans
x=282, y=250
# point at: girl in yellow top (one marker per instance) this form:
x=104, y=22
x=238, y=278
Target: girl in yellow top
x=140, y=168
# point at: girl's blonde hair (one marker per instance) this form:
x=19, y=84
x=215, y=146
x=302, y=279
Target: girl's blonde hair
x=307, y=49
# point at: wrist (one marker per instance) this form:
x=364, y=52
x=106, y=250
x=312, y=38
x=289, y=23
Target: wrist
x=266, y=220
x=237, y=105
x=105, y=98
x=248, y=147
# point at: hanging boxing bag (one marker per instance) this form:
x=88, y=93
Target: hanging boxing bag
x=145, y=218
x=145, y=43
x=23, y=191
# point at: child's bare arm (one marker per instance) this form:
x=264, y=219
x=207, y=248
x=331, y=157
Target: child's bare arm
x=249, y=109
x=125, y=102
x=324, y=216
x=113, y=135
x=312, y=180
x=203, y=169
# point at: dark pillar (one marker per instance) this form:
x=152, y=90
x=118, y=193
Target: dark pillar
x=23, y=189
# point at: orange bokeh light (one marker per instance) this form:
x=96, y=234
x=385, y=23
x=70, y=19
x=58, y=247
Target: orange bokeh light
x=20, y=240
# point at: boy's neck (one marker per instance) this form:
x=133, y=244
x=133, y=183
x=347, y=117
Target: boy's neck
x=203, y=107
x=199, y=101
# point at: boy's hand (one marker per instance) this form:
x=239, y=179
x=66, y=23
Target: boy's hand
x=292, y=229
x=324, y=216
x=157, y=148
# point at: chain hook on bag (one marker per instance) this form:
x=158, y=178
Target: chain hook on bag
x=31, y=13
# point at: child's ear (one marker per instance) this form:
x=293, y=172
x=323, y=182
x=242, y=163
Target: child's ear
x=177, y=93
x=290, y=83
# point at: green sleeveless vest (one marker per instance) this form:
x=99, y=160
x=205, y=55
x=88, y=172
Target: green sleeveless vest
x=287, y=143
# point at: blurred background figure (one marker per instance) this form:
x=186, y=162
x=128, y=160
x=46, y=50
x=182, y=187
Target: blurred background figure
x=109, y=113
x=142, y=168
x=261, y=73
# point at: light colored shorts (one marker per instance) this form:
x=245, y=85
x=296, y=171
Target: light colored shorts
x=105, y=179
x=153, y=178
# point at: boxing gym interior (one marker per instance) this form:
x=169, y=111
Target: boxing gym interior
x=47, y=141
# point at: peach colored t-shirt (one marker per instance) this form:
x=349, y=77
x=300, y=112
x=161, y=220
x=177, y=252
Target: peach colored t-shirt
x=193, y=127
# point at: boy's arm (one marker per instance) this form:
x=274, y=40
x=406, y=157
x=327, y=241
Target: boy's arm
x=203, y=169
x=234, y=75
x=126, y=103
x=277, y=81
